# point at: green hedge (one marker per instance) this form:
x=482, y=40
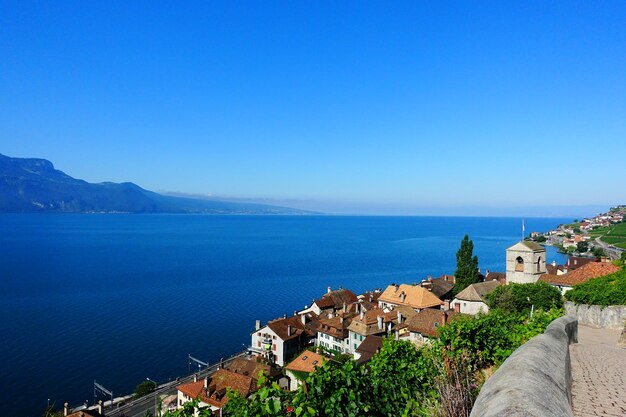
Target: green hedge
x=603, y=291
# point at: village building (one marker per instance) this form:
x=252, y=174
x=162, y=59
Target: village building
x=375, y=322
x=368, y=348
x=413, y=296
x=283, y=338
x=332, y=332
x=252, y=367
x=423, y=326
x=441, y=287
x=472, y=299
x=495, y=276
x=211, y=391
x=331, y=301
x=303, y=365
x=525, y=262
x=588, y=271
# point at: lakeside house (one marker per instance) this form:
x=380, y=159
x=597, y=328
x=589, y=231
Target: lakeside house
x=252, y=367
x=441, y=287
x=367, y=349
x=211, y=391
x=332, y=332
x=472, y=299
x=331, y=301
x=374, y=322
x=413, y=296
x=423, y=326
x=280, y=339
x=303, y=365
x=584, y=273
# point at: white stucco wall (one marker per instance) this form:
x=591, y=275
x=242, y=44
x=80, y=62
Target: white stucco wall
x=470, y=307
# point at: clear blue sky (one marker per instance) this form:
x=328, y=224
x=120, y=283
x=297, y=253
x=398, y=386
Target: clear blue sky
x=341, y=106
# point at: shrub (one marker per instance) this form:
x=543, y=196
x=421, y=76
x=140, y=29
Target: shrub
x=603, y=291
x=518, y=298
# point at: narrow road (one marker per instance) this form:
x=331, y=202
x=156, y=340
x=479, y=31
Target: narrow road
x=613, y=252
x=598, y=373
x=139, y=407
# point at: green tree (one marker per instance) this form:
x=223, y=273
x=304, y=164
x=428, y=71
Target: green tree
x=145, y=388
x=598, y=252
x=466, y=266
x=582, y=247
x=518, y=298
x=398, y=373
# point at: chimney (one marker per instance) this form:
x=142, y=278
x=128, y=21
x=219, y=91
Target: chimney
x=328, y=289
x=195, y=377
x=344, y=307
x=399, y=317
x=486, y=273
x=380, y=322
x=66, y=409
x=257, y=325
x=402, y=296
x=430, y=279
x=553, y=263
x=100, y=407
x=206, y=382
x=289, y=330
x=285, y=316
x=444, y=317
x=362, y=315
x=303, y=318
x=295, y=313
x=341, y=320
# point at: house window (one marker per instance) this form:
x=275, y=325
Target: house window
x=361, y=338
x=355, y=336
x=259, y=343
x=355, y=346
x=274, y=346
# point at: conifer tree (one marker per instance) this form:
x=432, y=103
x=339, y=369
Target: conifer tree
x=466, y=266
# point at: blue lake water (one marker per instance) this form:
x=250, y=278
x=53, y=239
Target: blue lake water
x=118, y=298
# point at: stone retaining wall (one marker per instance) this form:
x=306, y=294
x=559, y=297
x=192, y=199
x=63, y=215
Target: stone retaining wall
x=611, y=317
x=536, y=379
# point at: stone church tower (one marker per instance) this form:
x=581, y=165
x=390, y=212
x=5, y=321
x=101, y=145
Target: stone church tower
x=525, y=262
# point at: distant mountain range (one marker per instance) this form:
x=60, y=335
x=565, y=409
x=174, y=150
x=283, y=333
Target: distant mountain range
x=34, y=185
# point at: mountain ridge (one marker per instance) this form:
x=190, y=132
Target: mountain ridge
x=34, y=185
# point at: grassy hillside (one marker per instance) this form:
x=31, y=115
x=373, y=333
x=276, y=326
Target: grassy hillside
x=614, y=235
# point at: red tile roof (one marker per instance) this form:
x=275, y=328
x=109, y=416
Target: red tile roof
x=215, y=393
x=336, y=299
x=307, y=361
x=582, y=274
x=428, y=320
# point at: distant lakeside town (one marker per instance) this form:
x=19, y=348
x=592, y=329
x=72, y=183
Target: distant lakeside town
x=341, y=325
x=603, y=235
